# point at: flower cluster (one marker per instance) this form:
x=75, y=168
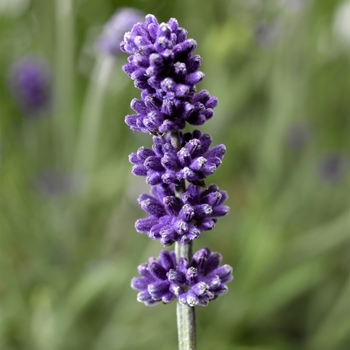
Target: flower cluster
x=162, y=66
x=181, y=206
x=193, y=283
x=194, y=162
x=173, y=219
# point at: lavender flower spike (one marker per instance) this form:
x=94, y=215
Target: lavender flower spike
x=180, y=205
x=31, y=84
x=162, y=66
x=122, y=20
x=193, y=283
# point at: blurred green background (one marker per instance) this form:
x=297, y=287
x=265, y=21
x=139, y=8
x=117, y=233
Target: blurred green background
x=69, y=249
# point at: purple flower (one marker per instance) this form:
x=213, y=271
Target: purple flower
x=52, y=183
x=163, y=164
x=265, y=35
x=193, y=283
x=294, y=5
x=162, y=66
x=113, y=31
x=298, y=136
x=182, y=220
x=31, y=84
x=332, y=168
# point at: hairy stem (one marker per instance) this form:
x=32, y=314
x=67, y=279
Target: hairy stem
x=186, y=316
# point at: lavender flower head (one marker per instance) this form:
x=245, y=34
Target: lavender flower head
x=193, y=283
x=31, y=84
x=162, y=66
x=113, y=31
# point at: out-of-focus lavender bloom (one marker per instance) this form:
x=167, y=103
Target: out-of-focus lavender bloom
x=193, y=283
x=162, y=66
x=265, y=34
x=174, y=219
x=114, y=30
x=52, y=183
x=31, y=84
x=163, y=164
x=332, y=168
x=294, y=5
x=298, y=136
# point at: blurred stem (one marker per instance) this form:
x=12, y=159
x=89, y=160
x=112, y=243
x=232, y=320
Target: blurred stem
x=91, y=115
x=186, y=316
x=64, y=55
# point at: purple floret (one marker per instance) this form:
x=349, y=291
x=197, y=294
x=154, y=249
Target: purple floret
x=194, y=162
x=194, y=283
x=205, y=278
x=154, y=284
x=182, y=220
x=162, y=66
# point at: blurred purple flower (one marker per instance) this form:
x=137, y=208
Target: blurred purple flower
x=265, y=34
x=293, y=5
x=332, y=168
x=52, y=183
x=114, y=30
x=298, y=136
x=31, y=84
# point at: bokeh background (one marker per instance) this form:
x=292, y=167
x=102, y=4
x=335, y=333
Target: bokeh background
x=69, y=249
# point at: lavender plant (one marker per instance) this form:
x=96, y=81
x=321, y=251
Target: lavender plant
x=31, y=84
x=181, y=206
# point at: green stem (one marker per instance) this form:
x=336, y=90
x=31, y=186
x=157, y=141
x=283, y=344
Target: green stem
x=186, y=316
x=64, y=64
x=92, y=114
